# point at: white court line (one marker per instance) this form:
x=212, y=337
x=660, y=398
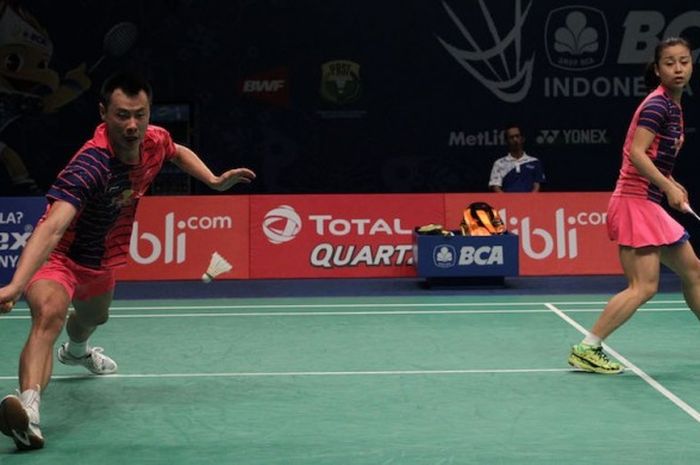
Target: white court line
x=363, y=305
x=309, y=373
x=632, y=367
x=348, y=313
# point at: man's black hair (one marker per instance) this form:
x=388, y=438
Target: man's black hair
x=512, y=125
x=129, y=82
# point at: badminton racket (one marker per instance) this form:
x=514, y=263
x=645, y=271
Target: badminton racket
x=686, y=208
x=117, y=41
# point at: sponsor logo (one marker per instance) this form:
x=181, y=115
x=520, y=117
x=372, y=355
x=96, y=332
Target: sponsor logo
x=336, y=256
x=172, y=245
x=327, y=255
x=572, y=137
x=490, y=138
x=644, y=29
x=11, y=242
x=541, y=243
x=357, y=226
x=253, y=86
x=270, y=86
x=340, y=82
x=126, y=197
x=281, y=224
x=444, y=256
x=11, y=217
x=601, y=86
x=14, y=240
x=576, y=38
x=486, y=64
x=481, y=256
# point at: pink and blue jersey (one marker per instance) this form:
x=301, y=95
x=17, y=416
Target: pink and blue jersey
x=106, y=192
x=662, y=116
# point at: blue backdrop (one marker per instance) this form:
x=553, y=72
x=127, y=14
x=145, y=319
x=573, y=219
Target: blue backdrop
x=363, y=96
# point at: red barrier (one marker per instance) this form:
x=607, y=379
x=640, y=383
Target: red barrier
x=358, y=236
x=174, y=237
x=560, y=233
x=337, y=236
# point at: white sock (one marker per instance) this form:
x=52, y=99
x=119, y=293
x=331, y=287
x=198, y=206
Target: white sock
x=77, y=349
x=31, y=398
x=592, y=340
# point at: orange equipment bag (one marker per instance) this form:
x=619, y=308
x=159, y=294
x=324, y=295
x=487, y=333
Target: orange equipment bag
x=481, y=219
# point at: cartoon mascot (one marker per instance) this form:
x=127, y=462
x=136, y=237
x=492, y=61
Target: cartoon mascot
x=27, y=83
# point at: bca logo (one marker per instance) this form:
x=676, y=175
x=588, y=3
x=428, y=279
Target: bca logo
x=444, y=256
x=576, y=38
x=281, y=224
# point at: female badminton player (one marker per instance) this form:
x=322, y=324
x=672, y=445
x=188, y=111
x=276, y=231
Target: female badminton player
x=645, y=233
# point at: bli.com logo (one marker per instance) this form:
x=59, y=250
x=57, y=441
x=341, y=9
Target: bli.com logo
x=564, y=238
x=172, y=245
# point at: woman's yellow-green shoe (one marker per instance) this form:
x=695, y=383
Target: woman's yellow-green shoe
x=593, y=359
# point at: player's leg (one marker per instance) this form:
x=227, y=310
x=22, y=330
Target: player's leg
x=48, y=301
x=19, y=414
x=641, y=267
x=93, y=296
x=682, y=260
x=87, y=315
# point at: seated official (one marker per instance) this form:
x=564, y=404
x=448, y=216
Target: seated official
x=517, y=171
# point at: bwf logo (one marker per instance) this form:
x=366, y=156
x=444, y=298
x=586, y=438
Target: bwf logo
x=576, y=38
x=281, y=224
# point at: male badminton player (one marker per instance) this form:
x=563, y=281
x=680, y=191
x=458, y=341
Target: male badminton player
x=83, y=236
x=645, y=233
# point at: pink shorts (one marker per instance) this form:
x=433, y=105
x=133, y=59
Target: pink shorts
x=636, y=222
x=80, y=282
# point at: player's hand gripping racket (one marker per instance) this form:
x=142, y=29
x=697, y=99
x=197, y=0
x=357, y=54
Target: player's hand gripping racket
x=686, y=208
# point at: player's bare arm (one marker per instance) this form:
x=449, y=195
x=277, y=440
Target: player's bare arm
x=190, y=163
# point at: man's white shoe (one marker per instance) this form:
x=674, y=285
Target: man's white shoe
x=94, y=360
x=20, y=423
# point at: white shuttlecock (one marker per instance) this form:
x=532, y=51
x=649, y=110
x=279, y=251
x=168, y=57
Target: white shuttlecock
x=217, y=266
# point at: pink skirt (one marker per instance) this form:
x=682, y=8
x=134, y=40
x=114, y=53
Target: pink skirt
x=636, y=222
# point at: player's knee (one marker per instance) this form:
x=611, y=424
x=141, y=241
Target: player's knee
x=101, y=319
x=48, y=315
x=646, y=291
x=48, y=320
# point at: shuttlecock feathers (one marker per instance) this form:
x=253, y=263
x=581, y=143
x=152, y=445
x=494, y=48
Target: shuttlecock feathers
x=217, y=266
